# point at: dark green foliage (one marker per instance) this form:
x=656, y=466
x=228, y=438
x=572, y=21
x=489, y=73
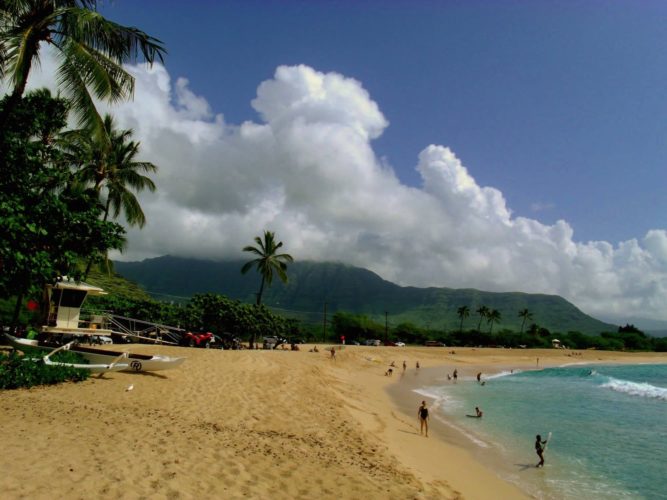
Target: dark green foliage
x=205, y=312
x=220, y=315
x=358, y=291
x=18, y=371
x=48, y=224
x=356, y=327
x=410, y=334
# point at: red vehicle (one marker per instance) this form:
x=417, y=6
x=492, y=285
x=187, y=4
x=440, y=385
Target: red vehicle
x=197, y=339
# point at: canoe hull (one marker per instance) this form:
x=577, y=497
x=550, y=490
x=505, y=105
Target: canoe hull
x=131, y=362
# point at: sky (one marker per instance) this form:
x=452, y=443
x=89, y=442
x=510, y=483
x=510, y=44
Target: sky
x=498, y=145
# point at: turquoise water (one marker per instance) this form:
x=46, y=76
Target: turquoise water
x=608, y=425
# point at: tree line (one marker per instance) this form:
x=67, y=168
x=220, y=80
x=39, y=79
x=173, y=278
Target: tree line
x=359, y=327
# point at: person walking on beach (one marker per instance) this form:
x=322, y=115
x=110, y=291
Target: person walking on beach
x=333, y=353
x=417, y=365
x=479, y=377
x=405, y=365
x=539, y=449
x=455, y=374
x=422, y=415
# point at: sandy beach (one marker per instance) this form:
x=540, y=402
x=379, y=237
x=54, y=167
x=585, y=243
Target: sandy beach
x=256, y=424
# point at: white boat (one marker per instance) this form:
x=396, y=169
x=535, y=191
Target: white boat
x=103, y=357
x=114, y=366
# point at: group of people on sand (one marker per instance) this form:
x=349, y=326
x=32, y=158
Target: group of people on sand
x=392, y=365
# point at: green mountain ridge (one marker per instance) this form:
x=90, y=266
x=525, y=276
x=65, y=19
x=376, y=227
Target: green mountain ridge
x=351, y=289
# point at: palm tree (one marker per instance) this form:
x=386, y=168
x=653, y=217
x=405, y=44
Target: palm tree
x=482, y=311
x=463, y=312
x=91, y=50
x=267, y=262
x=110, y=164
x=526, y=315
x=492, y=317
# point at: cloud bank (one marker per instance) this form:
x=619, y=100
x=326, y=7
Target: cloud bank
x=307, y=170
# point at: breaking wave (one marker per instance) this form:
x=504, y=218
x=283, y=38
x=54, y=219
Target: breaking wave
x=642, y=389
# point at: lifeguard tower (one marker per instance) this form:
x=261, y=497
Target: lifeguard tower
x=63, y=302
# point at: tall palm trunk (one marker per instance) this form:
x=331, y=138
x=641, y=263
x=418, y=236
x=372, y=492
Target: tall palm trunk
x=261, y=291
x=253, y=338
x=104, y=219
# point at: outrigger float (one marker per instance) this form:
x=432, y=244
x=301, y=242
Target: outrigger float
x=63, y=302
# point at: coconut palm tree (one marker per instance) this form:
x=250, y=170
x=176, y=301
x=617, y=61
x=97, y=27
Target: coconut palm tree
x=463, y=312
x=109, y=164
x=90, y=48
x=482, y=311
x=526, y=315
x=492, y=317
x=268, y=262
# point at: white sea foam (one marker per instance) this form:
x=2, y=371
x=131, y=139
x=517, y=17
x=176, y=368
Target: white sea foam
x=440, y=397
x=427, y=392
x=642, y=389
x=502, y=374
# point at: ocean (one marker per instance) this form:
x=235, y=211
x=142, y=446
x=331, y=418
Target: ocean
x=608, y=426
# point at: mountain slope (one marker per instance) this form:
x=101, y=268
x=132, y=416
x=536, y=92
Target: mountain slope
x=352, y=289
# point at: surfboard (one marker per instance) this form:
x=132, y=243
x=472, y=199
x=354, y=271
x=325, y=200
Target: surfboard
x=547, y=443
x=473, y=416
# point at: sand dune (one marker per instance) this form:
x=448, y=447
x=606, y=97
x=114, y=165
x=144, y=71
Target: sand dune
x=247, y=424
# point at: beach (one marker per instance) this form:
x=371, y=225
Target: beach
x=258, y=424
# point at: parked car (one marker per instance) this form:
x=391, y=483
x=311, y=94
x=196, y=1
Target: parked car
x=226, y=341
x=374, y=342
x=399, y=344
x=434, y=343
x=191, y=339
x=273, y=342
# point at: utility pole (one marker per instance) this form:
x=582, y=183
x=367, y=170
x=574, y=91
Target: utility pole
x=324, y=324
x=386, y=328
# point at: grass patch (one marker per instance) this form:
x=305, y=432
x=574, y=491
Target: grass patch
x=18, y=371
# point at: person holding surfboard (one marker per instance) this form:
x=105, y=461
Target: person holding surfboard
x=540, y=446
x=422, y=415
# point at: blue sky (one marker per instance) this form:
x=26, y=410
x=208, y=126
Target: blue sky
x=503, y=146
x=562, y=106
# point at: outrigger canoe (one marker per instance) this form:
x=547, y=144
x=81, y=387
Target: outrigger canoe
x=102, y=357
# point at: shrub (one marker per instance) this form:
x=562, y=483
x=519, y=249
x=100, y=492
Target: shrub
x=23, y=371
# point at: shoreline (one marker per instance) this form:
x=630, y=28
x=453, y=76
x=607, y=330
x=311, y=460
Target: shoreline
x=405, y=398
x=256, y=424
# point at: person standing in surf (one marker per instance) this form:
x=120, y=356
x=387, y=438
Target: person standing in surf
x=422, y=415
x=539, y=449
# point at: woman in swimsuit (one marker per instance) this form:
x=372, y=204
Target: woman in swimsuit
x=422, y=415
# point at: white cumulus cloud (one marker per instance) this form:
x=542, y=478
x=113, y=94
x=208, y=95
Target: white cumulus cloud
x=308, y=171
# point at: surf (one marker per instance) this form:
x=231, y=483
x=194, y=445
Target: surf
x=641, y=389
